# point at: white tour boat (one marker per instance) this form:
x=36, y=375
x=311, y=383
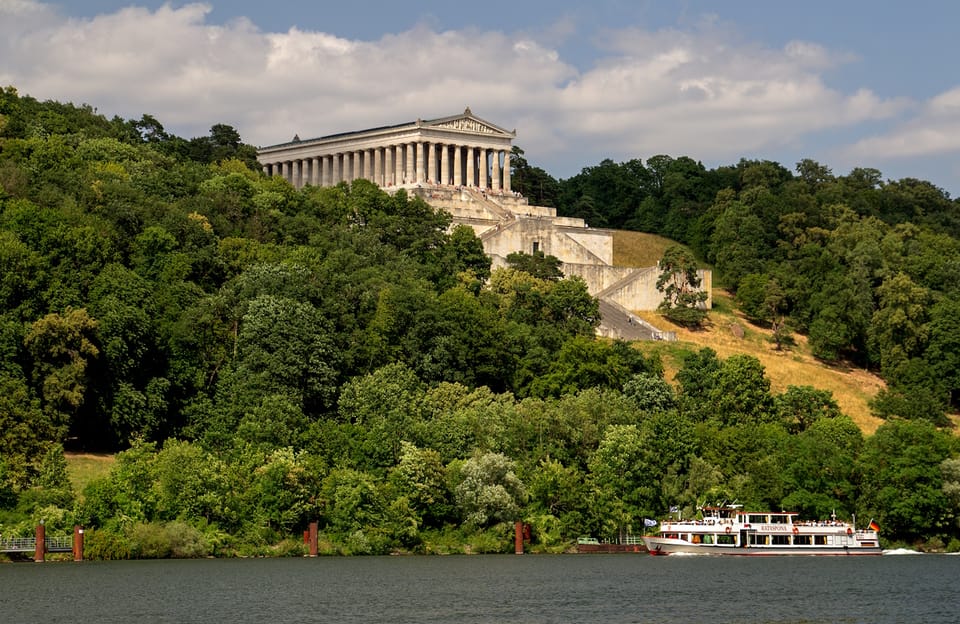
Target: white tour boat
x=728, y=530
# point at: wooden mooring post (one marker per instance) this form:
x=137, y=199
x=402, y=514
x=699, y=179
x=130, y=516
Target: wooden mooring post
x=314, y=538
x=518, y=538
x=41, y=548
x=77, y=543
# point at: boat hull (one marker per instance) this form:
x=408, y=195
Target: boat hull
x=667, y=546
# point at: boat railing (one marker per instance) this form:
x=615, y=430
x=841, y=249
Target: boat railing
x=700, y=522
x=630, y=540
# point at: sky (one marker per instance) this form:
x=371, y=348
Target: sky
x=848, y=83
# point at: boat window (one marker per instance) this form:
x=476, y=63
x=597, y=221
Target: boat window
x=802, y=540
x=726, y=539
x=778, y=519
x=707, y=539
x=760, y=540
x=757, y=518
x=780, y=540
x=820, y=540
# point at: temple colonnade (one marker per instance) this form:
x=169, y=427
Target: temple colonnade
x=460, y=150
x=395, y=165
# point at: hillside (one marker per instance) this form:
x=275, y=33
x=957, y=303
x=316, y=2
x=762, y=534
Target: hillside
x=728, y=333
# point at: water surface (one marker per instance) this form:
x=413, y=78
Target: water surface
x=483, y=589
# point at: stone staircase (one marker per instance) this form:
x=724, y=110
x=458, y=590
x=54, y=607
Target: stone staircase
x=619, y=323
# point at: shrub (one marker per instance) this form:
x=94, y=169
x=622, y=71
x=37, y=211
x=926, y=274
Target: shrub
x=186, y=542
x=495, y=540
x=150, y=541
x=105, y=545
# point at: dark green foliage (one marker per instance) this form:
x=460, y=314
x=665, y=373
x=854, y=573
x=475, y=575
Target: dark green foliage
x=536, y=264
x=538, y=186
x=902, y=480
x=799, y=407
x=651, y=392
x=263, y=356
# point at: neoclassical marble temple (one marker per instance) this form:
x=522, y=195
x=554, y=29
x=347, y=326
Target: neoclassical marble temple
x=461, y=150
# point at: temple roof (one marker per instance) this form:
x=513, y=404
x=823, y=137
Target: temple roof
x=466, y=123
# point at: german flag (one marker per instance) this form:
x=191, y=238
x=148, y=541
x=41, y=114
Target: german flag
x=874, y=526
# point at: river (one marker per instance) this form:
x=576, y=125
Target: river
x=579, y=589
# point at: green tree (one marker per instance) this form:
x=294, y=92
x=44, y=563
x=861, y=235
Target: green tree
x=536, y=264
x=898, y=330
x=651, y=392
x=352, y=505
x=421, y=477
x=386, y=405
x=683, y=301
x=626, y=487
x=285, y=345
x=740, y=393
x=189, y=484
x=63, y=348
x=801, y=406
x=488, y=490
x=820, y=468
x=902, y=483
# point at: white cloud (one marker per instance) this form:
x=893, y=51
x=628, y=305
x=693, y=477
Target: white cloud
x=701, y=92
x=933, y=130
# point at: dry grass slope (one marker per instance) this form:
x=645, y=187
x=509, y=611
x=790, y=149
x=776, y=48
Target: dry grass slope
x=728, y=333
x=85, y=467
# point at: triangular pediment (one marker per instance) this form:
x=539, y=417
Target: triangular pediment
x=468, y=122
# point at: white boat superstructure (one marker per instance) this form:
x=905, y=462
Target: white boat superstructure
x=728, y=530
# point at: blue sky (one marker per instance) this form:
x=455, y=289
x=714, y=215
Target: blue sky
x=871, y=84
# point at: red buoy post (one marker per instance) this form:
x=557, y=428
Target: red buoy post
x=518, y=538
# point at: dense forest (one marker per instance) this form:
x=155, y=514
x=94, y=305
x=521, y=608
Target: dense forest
x=260, y=357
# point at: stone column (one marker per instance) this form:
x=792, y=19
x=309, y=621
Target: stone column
x=388, y=167
x=421, y=161
x=408, y=176
x=378, y=166
x=445, y=177
x=470, y=168
x=483, y=167
x=266, y=170
x=368, y=164
x=432, y=164
x=506, y=170
x=328, y=170
x=283, y=170
x=398, y=164
x=335, y=170
x=457, y=165
x=315, y=171
x=496, y=170
x=357, y=171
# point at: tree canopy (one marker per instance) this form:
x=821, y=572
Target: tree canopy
x=259, y=356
